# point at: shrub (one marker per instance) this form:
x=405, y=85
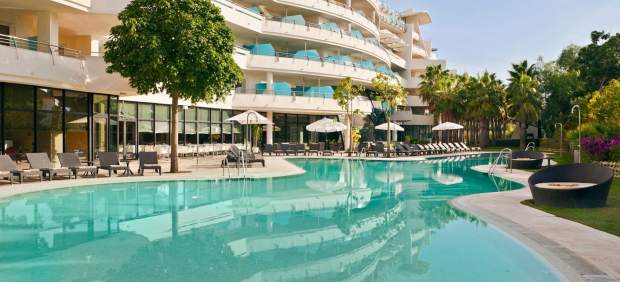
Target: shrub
x=600, y=148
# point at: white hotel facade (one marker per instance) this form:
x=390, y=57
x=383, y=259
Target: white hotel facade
x=57, y=97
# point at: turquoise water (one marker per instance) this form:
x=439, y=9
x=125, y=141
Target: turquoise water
x=340, y=221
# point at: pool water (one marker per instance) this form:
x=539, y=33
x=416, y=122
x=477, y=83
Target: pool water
x=340, y=221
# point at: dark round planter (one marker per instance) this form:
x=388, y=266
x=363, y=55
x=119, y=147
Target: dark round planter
x=591, y=197
x=535, y=162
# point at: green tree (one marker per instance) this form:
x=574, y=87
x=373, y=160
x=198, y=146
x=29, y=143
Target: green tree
x=180, y=47
x=561, y=87
x=438, y=89
x=346, y=92
x=486, y=98
x=599, y=62
x=604, y=105
x=522, y=68
x=525, y=102
x=392, y=94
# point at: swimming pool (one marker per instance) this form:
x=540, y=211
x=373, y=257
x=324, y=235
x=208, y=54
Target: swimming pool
x=343, y=220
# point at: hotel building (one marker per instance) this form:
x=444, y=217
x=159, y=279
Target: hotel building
x=57, y=97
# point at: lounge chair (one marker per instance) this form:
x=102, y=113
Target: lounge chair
x=238, y=157
x=402, y=150
x=278, y=149
x=8, y=169
x=42, y=162
x=455, y=148
x=267, y=149
x=72, y=162
x=325, y=151
x=361, y=147
x=148, y=160
x=298, y=149
x=380, y=149
x=470, y=149
x=109, y=161
x=314, y=148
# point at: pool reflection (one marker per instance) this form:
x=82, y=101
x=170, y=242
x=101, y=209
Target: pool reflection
x=342, y=220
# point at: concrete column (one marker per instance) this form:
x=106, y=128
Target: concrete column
x=349, y=4
x=47, y=28
x=270, y=128
x=346, y=134
x=269, y=82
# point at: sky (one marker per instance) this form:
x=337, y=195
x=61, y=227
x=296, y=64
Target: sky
x=478, y=35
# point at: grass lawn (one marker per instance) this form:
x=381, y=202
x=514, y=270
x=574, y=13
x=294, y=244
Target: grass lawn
x=606, y=219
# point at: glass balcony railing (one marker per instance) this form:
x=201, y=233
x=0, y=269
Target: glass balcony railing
x=36, y=45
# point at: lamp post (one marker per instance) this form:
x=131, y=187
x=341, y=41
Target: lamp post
x=572, y=111
x=561, y=136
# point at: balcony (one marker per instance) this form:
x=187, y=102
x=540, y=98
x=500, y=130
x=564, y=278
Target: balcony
x=416, y=101
x=408, y=118
x=314, y=32
x=239, y=15
x=335, y=9
x=32, y=62
x=422, y=64
x=413, y=83
x=248, y=100
x=397, y=60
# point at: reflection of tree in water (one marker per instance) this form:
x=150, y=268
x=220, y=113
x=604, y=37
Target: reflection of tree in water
x=197, y=256
x=437, y=214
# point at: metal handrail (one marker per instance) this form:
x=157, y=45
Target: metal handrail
x=36, y=45
x=506, y=154
x=530, y=145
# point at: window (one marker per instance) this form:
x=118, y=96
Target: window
x=100, y=123
x=19, y=111
x=146, y=126
x=76, y=122
x=162, y=124
x=49, y=130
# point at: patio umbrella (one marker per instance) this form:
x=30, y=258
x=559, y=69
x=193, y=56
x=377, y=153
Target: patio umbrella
x=326, y=125
x=393, y=127
x=447, y=126
x=248, y=118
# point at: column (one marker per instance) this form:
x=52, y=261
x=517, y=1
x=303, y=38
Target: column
x=270, y=128
x=270, y=83
x=349, y=4
x=47, y=28
x=346, y=134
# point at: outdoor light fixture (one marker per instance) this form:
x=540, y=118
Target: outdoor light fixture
x=572, y=111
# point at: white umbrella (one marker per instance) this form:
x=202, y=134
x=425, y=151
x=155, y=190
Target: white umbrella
x=393, y=127
x=447, y=126
x=326, y=125
x=250, y=117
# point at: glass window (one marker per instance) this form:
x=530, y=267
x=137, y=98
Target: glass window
x=162, y=112
x=204, y=133
x=190, y=114
x=113, y=105
x=215, y=115
x=76, y=123
x=145, y=112
x=146, y=135
x=19, y=117
x=227, y=133
x=49, y=121
x=226, y=114
x=162, y=132
x=216, y=133
x=100, y=123
x=181, y=133
x=128, y=110
x=191, y=136
x=203, y=115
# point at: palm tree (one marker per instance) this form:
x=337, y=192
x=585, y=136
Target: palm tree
x=523, y=68
x=438, y=90
x=525, y=103
x=486, y=94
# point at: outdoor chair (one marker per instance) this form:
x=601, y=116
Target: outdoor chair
x=72, y=162
x=240, y=156
x=468, y=148
x=325, y=151
x=314, y=148
x=455, y=148
x=278, y=149
x=572, y=185
x=42, y=162
x=380, y=149
x=402, y=150
x=286, y=148
x=361, y=148
x=526, y=160
x=298, y=149
x=8, y=169
x=109, y=161
x=148, y=160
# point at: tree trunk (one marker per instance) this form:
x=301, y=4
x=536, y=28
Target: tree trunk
x=174, y=134
x=522, y=135
x=389, y=136
x=484, y=133
x=350, y=124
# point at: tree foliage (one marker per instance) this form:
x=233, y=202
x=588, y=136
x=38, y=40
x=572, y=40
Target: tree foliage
x=346, y=92
x=180, y=47
x=392, y=94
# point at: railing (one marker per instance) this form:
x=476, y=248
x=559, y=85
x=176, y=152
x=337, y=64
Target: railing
x=279, y=54
x=316, y=25
x=504, y=154
x=35, y=45
x=530, y=146
x=291, y=93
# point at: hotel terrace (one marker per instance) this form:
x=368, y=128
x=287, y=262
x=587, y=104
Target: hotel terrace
x=57, y=96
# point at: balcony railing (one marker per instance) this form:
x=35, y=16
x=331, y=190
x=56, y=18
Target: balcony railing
x=35, y=45
x=283, y=92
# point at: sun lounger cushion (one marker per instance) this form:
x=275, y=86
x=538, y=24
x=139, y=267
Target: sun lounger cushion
x=564, y=185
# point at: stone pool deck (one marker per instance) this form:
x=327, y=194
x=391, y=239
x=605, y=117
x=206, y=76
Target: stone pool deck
x=579, y=252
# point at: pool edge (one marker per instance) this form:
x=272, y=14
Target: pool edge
x=499, y=208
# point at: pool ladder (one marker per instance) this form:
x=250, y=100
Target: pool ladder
x=531, y=146
x=504, y=154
